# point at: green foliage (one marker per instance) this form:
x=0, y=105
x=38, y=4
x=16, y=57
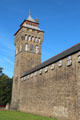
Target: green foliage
x=12, y=115
x=1, y=71
x=5, y=89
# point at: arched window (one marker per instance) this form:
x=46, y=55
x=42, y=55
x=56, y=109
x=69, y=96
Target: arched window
x=29, y=37
x=39, y=40
x=37, y=49
x=36, y=39
x=26, y=47
x=32, y=38
x=26, y=37
x=31, y=47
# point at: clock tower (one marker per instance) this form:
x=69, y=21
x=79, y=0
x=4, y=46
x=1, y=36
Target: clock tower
x=28, y=41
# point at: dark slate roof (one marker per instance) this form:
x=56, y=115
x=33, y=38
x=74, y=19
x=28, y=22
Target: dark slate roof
x=54, y=59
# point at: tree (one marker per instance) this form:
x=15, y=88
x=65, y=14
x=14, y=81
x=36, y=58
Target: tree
x=1, y=71
x=5, y=89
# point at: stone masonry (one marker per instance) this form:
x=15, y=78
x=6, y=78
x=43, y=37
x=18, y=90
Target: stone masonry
x=54, y=92
x=51, y=88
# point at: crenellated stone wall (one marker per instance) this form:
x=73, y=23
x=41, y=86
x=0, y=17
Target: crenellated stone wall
x=53, y=90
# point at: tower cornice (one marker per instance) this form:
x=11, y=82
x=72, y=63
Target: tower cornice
x=28, y=28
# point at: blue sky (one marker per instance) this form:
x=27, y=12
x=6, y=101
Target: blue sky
x=60, y=19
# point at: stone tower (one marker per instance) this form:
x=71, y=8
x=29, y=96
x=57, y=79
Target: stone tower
x=28, y=40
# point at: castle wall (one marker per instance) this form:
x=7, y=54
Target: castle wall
x=53, y=92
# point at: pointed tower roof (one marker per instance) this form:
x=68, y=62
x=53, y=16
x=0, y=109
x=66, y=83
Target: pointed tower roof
x=30, y=23
x=30, y=18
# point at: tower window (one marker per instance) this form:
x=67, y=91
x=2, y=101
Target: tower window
x=26, y=37
x=32, y=38
x=37, y=49
x=26, y=47
x=29, y=37
x=39, y=40
x=36, y=39
x=31, y=47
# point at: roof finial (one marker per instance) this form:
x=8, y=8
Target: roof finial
x=29, y=12
x=29, y=17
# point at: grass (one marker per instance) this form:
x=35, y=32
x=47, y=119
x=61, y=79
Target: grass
x=13, y=115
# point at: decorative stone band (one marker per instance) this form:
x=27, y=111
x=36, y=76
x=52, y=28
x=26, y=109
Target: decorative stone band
x=52, y=67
